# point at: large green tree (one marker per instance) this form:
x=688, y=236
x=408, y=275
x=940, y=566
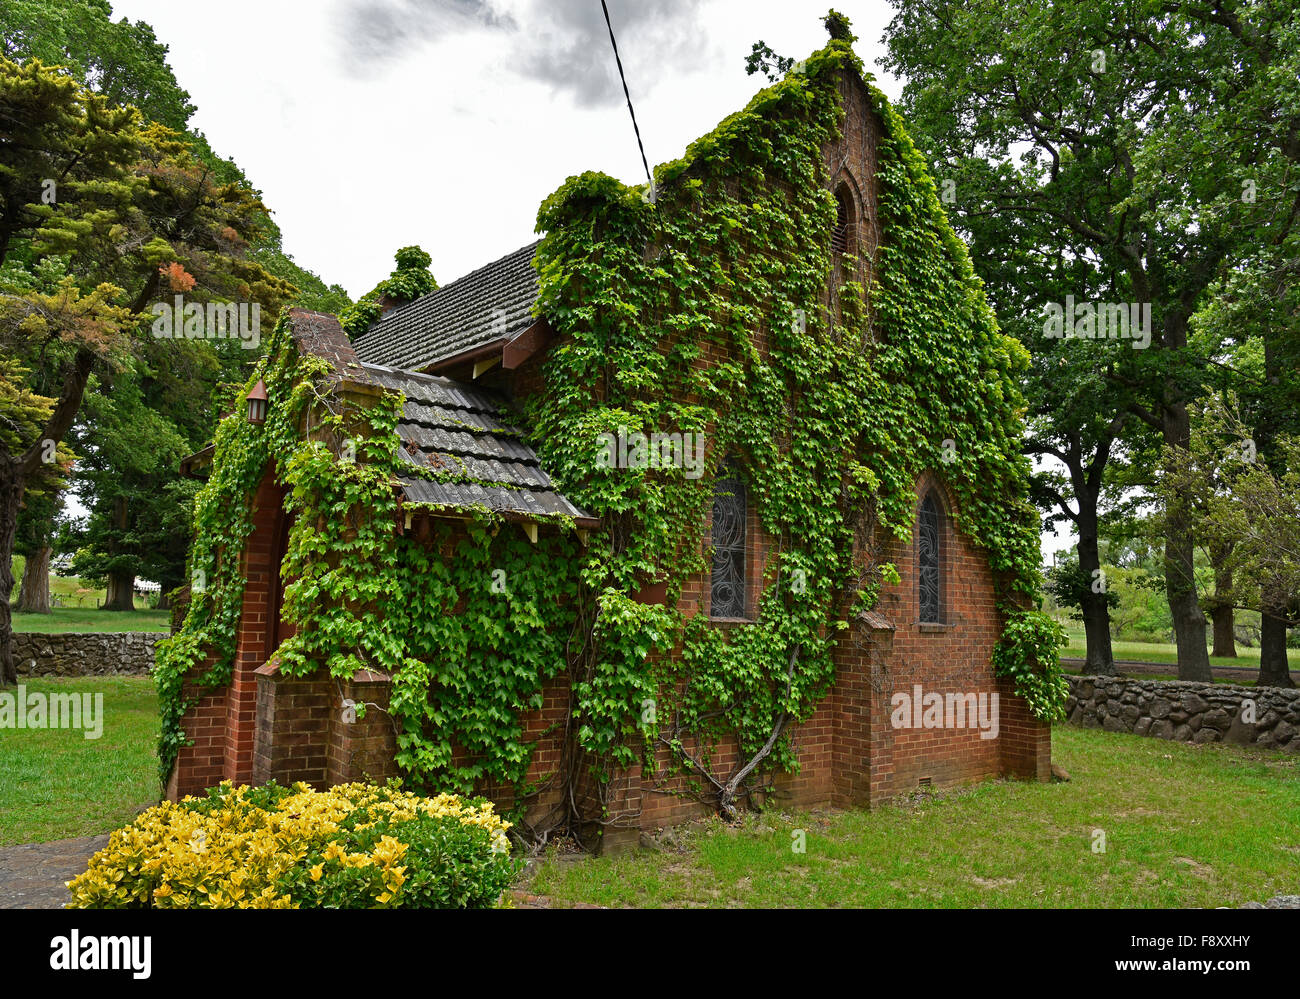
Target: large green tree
x=1251, y=512
x=1155, y=141
x=126, y=64
x=123, y=61
x=134, y=216
x=138, y=423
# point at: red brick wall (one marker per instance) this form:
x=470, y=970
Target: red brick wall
x=261, y=580
x=291, y=733
x=954, y=657
x=203, y=763
x=361, y=748
x=222, y=725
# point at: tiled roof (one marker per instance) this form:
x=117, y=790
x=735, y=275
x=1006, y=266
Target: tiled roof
x=493, y=303
x=464, y=434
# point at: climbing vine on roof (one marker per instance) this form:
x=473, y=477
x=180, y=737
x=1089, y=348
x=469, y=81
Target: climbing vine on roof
x=410, y=279
x=470, y=629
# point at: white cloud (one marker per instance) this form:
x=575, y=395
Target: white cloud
x=374, y=124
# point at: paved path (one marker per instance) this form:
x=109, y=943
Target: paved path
x=32, y=876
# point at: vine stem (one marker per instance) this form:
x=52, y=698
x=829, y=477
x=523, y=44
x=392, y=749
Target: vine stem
x=727, y=794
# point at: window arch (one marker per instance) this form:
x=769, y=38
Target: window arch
x=929, y=561
x=727, y=590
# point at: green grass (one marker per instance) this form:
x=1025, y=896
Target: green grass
x=76, y=609
x=1233, y=681
x=63, y=619
x=1185, y=826
x=56, y=784
x=1152, y=652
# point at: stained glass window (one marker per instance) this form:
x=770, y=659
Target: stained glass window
x=927, y=557
x=728, y=589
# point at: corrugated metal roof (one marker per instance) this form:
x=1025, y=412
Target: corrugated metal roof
x=492, y=303
x=470, y=439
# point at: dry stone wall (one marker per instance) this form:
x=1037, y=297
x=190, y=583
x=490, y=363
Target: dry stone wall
x=86, y=654
x=1268, y=717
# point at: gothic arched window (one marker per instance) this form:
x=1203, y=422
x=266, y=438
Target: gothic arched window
x=928, y=560
x=842, y=234
x=727, y=599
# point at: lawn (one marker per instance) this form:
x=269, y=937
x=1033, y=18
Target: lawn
x=55, y=783
x=1184, y=826
x=76, y=609
x=63, y=619
x=1152, y=652
x=1228, y=681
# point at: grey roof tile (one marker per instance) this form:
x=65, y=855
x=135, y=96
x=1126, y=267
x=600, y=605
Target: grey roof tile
x=494, y=302
x=469, y=434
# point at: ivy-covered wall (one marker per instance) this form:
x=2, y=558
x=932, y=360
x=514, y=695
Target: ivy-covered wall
x=719, y=307
x=716, y=307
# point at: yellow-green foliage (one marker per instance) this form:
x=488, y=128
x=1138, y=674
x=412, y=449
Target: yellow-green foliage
x=271, y=847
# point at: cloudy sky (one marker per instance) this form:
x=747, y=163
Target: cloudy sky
x=374, y=124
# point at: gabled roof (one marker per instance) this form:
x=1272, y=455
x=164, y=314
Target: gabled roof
x=493, y=303
x=467, y=436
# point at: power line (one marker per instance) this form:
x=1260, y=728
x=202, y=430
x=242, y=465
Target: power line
x=626, y=94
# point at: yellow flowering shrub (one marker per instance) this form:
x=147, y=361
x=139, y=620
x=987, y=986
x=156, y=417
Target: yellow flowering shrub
x=272, y=847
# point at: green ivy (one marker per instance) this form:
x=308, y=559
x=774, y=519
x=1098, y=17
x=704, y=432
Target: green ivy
x=830, y=427
x=470, y=633
x=409, y=280
x=840, y=415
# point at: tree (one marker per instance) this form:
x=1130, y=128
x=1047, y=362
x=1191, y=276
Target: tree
x=1251, y=512
x=138, y=423
x=131, y=213
x=1127, y=138
x=84, y=327
x=1252, y=323
x=123, y=62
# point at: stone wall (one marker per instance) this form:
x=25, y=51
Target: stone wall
x=1188, y=712
x=86, y=654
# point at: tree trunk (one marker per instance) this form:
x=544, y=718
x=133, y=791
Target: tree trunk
x=1096, y=629
x=13, y=480
x=1273, y=668
x=11, y=494
x=121, y=592
x=1099, y=657
x=1180, y=551
x=1220, y=606
x=34, y=598
x=164, y=599
x=1225, y=639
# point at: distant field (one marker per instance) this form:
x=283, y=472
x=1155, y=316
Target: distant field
x=75, y=619
x=77, y=609
x=1156, y=653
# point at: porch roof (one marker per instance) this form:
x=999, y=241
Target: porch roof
x=468, y=438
